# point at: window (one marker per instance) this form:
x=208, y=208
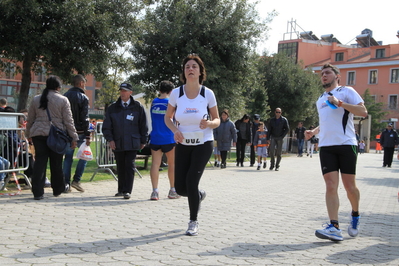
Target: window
x=290, y=49
x=393, y=101
x=380, y=53
x=10, y=71
x=40, y=76
x=395, y=75
x=373, y=77
x=351, y=78
x=373, y=98
x=339, y=57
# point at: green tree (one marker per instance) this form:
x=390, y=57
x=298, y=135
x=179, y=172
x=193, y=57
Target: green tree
x=222, y=32
x=290, y=88
x=64, y=36
x=374, y=110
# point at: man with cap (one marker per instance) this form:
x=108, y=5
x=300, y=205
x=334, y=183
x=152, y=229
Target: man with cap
x=254, y=128
x=125, y=129
x=389, y=139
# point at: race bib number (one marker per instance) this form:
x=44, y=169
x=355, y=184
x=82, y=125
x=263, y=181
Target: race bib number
x=193, y=138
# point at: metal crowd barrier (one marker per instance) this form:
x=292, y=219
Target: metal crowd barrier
x=13, y=148
x=104, y=155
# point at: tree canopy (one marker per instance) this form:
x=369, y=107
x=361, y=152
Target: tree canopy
x=222, y=32
x=64, y=36
x=291, y=88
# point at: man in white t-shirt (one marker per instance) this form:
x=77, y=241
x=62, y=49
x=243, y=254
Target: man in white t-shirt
x=338, y=148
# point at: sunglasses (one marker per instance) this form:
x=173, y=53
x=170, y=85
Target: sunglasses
x=278, y=112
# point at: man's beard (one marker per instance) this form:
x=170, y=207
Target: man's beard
x=327, y=85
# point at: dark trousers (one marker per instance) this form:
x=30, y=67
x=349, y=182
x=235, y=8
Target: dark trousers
x=253, y=154
x=388, y=155
x=42, y=154
x=223, y=155
x=275, y=149
x=190, y=162
x=125, y=167
x=240, y=148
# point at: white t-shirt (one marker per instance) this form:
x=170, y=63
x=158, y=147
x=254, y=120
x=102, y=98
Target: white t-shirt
x=190, y=112
x=336, y=125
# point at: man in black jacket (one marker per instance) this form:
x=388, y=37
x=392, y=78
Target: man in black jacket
x=80, y=113
x=125, y=129
x=278, y=128
x=389, y=139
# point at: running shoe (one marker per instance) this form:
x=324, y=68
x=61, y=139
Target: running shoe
x=154, y=196
x=172, y=194
x=258, y=168
x=329, y=232
x=193, y=227
x=264, y=165
x=353, y=228
x=202, y=194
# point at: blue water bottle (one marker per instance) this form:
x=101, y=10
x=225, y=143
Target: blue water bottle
x=332, y=106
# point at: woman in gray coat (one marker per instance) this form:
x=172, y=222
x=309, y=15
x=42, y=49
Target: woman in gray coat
x=224, y=134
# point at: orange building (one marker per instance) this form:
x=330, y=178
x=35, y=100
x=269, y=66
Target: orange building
x=10, y=84
x=365, y=65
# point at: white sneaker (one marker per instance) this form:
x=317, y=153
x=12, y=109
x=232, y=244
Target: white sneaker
x=353, y=228
x=329, y=232
x=193, y=227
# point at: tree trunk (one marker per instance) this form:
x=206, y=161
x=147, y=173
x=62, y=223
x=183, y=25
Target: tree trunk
x=25, y=84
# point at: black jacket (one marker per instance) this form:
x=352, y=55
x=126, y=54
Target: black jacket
x=80, y=109
x=278, y=130
x=126, y=126
x=247, y=134
x=389, y=138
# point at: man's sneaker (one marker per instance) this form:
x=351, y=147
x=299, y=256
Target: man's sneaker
x=202, y=194
x=271, y=167
x=353, y=228
x=216, y=163
x=192, y=228
x=77, y=186
x=47, y=183
x=258, y=168
x=173, y=194
x=67, y=188
x=154, y=196
x=264, y=165
x=330, y=232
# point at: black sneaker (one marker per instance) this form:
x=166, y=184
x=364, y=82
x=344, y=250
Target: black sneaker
x=264, y=165
x=258, y=168
x=271, y=167
x=216, y=163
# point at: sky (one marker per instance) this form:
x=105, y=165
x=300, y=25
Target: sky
x=345, y=19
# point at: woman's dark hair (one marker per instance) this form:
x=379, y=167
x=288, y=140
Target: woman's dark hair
x=199, y=61
x=166, y=86
x=52, y=83
x=245, y=116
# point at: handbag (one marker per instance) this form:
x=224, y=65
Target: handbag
x=58, y=140
x=314, y=140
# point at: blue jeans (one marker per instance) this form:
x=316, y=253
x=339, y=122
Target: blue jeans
x=300, y=146
x=68, y=163
x=4, y=165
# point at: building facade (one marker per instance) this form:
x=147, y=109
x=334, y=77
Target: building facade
x=10, y=84
x=365, y=65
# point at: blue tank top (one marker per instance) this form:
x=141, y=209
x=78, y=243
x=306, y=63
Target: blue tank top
x=160, y=134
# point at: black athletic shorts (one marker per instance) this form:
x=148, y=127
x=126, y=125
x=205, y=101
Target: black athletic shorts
x=338, y=158
x=164, y=148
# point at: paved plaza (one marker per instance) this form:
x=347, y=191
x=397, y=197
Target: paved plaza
x=249, y=217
